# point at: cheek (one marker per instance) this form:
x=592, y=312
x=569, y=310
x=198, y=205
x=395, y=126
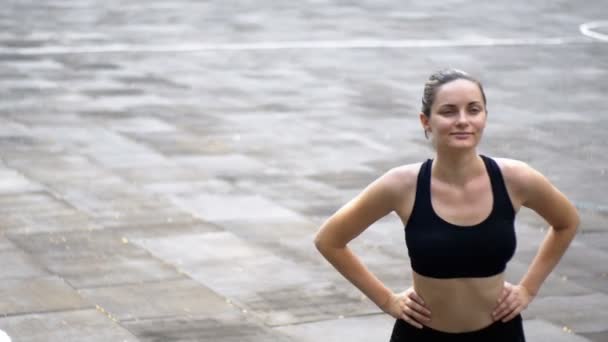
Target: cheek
x=480, y=123
x=443, y=125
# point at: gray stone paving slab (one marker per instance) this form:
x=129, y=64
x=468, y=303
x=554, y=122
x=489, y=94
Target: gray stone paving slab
x=596, y=337
x=22, y=296
x=227, y=327
x=354, y=329
x=587, y=313
x=12, y=182
x=11, y=128
x=163, y=229
x=541, y=330
x=303, y=195
x=188, y=188
x=226, y=207
x=112, y=201
x=596, y=240
x=43, y=166
x=292, y=238
x=39, y=212
x=94, y=259
x=90, y=86
x=280, y=186
x=184, y=143
x=17, y=263
x=68, y=326
x=224, y=261
x=225, y=165
x=164, y=299
x=163, y=175
x=140, y=125
x=314, y=302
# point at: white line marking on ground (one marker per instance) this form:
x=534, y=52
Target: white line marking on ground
x=588, y=29
x=290, y=45
x=4, y=337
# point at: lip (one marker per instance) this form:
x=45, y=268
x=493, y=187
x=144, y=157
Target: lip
x=461, y=133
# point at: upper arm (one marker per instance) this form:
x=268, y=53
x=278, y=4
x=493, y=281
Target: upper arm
x=376, y=201
x=537, y=193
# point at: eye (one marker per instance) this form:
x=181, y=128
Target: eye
x=475, y=110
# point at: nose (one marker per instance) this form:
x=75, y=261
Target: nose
x=462, y=118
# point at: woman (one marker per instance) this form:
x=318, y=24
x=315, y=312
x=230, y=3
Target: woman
x=458, y=210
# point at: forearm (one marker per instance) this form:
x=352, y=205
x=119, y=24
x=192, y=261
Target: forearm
x=550, y=252
x=351, y=267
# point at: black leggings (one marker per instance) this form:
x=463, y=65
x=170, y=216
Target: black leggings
x=511, y=331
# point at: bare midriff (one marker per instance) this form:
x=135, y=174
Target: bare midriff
x=459, y=304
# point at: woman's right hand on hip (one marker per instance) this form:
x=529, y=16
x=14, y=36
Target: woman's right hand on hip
x=409, y=307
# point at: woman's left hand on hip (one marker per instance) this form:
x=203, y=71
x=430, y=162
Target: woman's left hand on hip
x=513, y=300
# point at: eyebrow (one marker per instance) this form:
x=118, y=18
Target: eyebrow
x=449, y=105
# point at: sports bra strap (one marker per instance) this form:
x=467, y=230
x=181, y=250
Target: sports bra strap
x=502, y=201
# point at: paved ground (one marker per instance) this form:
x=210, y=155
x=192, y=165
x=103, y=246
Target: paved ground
x=164, y=165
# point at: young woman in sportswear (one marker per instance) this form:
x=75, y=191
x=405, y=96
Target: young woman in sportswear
x=458, y=210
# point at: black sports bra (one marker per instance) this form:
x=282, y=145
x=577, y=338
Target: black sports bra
x=440, y=249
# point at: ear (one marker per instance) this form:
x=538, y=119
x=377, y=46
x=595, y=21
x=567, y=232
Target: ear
x=424, y=121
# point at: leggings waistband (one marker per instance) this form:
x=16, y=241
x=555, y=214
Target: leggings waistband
x=511, y=331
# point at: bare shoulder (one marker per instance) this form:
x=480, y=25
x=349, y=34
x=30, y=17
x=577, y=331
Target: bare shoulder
x=538, y=193
x=401, y=182
x=521, y=179
x=516, y=172
x=402, y=178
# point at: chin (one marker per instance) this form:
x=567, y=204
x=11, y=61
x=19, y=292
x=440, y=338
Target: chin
x=462, y=147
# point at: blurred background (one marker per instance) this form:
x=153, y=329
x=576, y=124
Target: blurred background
x=165, y=164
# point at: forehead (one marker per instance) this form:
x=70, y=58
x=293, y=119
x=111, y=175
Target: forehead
x=458, y=91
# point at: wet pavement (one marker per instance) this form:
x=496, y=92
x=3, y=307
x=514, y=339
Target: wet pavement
x=165, y=165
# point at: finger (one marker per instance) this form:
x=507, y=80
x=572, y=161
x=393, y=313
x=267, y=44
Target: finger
x=501, y=315
x=504, y=294
x=418, y=308
x=411, y=321
x=416, y=315
x=415, y=297
x=501, y=299
x=500, y=309
x=505, y=303
x=512, y=314
x=508, y=309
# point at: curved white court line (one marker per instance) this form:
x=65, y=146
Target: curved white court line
x=588, y=29
x=291, y=45
x=4, y=337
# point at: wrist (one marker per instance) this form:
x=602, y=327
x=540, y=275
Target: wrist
x=532, y=291
x=384, y=306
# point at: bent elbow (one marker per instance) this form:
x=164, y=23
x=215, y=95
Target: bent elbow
x=319, y=242
x=323, y=244
x=576, y=223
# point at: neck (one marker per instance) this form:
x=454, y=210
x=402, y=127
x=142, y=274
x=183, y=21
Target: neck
x=457, y=168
